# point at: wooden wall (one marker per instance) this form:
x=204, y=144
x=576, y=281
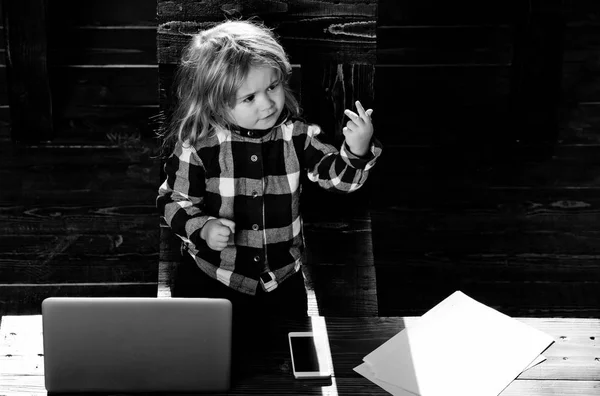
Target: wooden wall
x=491, y=136
x=488, y=112
x=4, y=109
x=77, y=213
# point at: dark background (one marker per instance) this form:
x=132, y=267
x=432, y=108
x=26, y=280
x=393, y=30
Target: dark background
x=489, y=113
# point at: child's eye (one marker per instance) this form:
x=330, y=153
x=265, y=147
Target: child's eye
x=249, y=99
x=274, y=85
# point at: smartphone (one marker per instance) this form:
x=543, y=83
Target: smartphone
x=310, y=355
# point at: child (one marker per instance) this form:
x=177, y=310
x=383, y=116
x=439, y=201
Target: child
x=232, y=185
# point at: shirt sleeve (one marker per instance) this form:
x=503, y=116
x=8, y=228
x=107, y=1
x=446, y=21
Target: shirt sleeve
x=335, y=170
x=181, y=197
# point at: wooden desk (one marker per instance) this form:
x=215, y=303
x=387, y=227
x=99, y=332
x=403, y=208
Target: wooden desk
x=572, y=366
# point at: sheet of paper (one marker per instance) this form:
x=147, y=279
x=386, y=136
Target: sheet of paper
x=364, y=370
x=459, y=347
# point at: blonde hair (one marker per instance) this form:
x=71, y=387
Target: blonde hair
x=213, y=67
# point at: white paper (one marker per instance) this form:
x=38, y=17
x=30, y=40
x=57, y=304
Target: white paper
x=364, y=370
x=460, y=347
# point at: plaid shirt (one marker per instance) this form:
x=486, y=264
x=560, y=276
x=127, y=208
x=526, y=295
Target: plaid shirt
x=253, y=180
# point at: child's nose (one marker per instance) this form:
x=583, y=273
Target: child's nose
x=267, y=102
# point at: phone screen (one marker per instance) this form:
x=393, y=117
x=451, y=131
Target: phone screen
x=305, y=354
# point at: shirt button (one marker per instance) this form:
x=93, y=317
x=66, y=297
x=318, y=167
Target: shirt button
x=255, y=227
x=254, y=194
x=257, y=258
x=254, y=158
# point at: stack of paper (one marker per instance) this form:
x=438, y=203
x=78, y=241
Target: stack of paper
x=459, y=347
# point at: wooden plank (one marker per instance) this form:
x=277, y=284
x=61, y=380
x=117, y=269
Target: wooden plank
x=423, y=170
x=63, y=268
x=508, y=240
x=580, y=124
x=441, y=45
x=3, y=87
x=580, y=84
x=77, y=220
x=337, y=31
x=78, y=180
x=137, y=244
x=30, y=97
x=26, y=299
x=580, y=106
x=79, y=258
x=90, y=86
x=102, y=45
x=4, y=122
x=113, y=125
x=62, y=195
x=580, y=10
x=436, y=13
x=169, y=259
x=581, y=39
x=492, y=209
x=102, y=13
x=501, y=267
x=435, y=105
x=4, y=109
x=401, y=293
x=59, y=157
x=537, y=71
x=339, y=267
x=212, y=10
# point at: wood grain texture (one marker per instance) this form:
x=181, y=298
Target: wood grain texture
x=340, y=31
x=102, y=104
x=26, y=299
x=512, y=226
x=211, y=10
x=440, y=13
x=89, y=87
x=513, y=298
x=124, y=45
x=570, y=367
x=580, y=124
x=444, y=45
x=580, y=104
x=29, y=90
x=339, y=267
x=103, y=13
x=48, y=182
x=457, y=169
x=438, y=105
x=537, y=71
x=77, y=219
x=4, y=121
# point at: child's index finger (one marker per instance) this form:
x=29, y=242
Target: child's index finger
x=351, y=114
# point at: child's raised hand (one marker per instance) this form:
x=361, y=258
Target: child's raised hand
x=217, y=233
x=358, y=130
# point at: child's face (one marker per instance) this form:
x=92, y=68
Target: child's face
x=259, y=101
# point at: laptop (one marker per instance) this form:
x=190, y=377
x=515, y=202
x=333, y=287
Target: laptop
x=136, y=344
